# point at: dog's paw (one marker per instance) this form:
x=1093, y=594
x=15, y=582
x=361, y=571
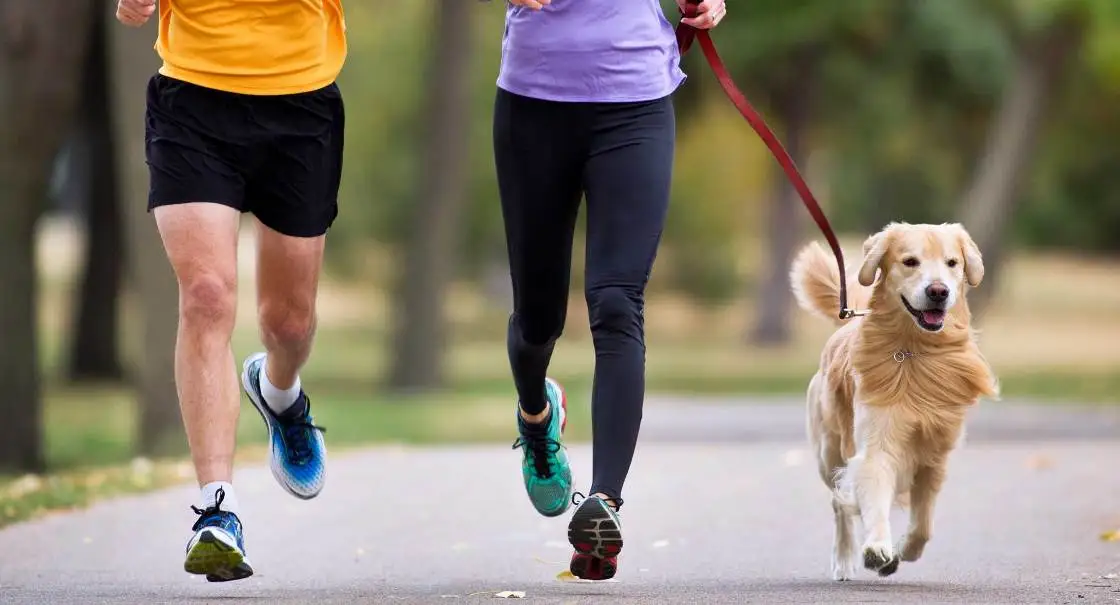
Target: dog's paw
x=878, y=556
x=889, y=568
x=910, y=548
x=843, y=570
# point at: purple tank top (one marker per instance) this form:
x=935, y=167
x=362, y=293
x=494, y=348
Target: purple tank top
x=590, y=50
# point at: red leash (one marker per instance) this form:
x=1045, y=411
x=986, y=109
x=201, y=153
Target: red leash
x=685, y=35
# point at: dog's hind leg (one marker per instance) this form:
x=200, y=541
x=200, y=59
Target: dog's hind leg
x=923, y=493
x=843, y=543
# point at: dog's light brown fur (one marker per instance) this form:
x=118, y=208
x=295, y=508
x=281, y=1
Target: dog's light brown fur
x=883, y=428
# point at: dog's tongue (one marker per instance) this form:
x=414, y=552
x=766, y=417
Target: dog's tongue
x=933, y=316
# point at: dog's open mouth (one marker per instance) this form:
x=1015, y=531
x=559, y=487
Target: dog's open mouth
x=929, y=319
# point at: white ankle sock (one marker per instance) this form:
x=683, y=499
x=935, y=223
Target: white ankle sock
x=278, y=400
x=229, y=498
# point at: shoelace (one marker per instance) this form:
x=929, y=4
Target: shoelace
x=204, y=514
x=539, y=449
x=297, y=435
x=616, y=507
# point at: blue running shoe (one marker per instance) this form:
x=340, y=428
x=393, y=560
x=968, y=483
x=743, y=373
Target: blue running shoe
x=545, y=468
x=217, y=549
x=299, y=454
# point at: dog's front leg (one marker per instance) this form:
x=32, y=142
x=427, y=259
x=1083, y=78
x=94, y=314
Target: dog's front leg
x=875, y=484
x=923, y=494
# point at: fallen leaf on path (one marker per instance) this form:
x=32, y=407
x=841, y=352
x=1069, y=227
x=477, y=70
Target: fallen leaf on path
x=566, y=576
x=510, y=594
x=1111, y=536
x=1039, y=462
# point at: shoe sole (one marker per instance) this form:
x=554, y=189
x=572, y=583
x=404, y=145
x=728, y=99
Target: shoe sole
x=597, y=539
x=218, y=560
x=587, y=567
x=274, y=465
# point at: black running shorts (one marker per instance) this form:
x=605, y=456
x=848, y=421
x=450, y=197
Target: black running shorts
x=278, y=157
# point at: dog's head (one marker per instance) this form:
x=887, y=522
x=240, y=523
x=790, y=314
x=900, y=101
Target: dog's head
x=924, y=269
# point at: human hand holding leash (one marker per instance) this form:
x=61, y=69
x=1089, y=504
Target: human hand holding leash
x=135, y=13
x=708, y=13
x=532, y=4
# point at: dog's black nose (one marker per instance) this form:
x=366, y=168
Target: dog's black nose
x=937, y=292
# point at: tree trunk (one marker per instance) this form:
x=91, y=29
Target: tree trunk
x=990, y=201
x=156, y=299
x=41, y=51
x=794, y=105
x=421, y=327
x=94, y=350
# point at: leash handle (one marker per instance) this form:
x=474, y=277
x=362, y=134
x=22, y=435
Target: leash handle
x=686, y=34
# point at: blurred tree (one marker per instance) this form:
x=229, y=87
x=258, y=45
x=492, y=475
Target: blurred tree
x=427, y=269
x=94, y=348
x=133, y=62
x=792, y=99
x=1074, y=202
x=906, y=142
x=41, y=52
x=1047, y=49
x=792, y=52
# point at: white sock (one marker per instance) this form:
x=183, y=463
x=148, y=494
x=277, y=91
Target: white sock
x=229, y=498
x=278, y=400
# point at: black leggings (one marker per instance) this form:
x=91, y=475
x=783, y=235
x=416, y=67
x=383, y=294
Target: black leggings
x=549, y=155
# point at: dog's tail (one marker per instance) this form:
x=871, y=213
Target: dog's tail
x=816, y=284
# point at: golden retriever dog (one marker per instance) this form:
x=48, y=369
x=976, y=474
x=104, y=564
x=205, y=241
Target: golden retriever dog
x=888, y=404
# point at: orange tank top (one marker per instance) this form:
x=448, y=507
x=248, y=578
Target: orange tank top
x=255, y=47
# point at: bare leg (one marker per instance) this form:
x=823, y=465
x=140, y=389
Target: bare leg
x=201, y=243
x=287, y=283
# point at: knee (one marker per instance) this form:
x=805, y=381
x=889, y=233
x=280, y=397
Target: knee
x=615, y=310
x=538, y=330
x=208, y=301
x=285, y=323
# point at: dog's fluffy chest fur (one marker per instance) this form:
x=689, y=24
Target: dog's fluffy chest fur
x=926, y=394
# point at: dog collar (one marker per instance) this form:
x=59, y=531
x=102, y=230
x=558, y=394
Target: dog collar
x=902, y=355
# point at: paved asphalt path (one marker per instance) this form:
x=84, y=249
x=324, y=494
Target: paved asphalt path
x=723, y=506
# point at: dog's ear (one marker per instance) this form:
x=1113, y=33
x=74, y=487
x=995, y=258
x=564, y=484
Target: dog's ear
x=874, y=248
x=973, y=261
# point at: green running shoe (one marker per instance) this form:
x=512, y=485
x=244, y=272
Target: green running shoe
x=545, y=468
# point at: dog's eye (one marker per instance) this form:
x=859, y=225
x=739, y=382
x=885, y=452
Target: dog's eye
x=952, y=263
x=911, y=262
